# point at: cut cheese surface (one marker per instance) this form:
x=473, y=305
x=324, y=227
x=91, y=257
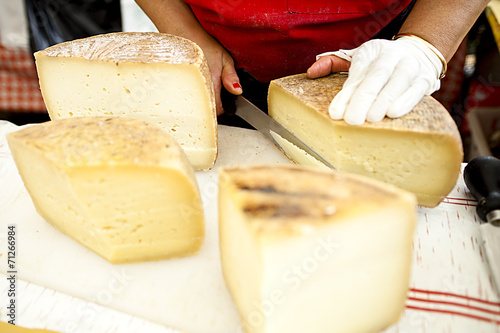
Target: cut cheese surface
x=120, y=186
x=158, y=78
x=307, y=250
x=296, y=154
x=420, y=152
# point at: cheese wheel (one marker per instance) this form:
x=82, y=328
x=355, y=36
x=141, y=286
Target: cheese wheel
x=420, y=152
x=309, y=250
x=158, y=78
x=11, y=328
x=121, y=187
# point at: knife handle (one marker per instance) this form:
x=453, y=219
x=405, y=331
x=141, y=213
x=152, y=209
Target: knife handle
x=482, y=177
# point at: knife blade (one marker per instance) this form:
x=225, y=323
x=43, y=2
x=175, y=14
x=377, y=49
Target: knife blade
x=273, y=130
x=482, y=177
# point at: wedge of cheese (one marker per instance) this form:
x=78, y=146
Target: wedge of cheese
x=420, y=152
x=308, y=250
x=9, y=328
x=122, y=187
x=158, y=78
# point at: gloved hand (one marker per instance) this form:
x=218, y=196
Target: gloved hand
x=386, y=77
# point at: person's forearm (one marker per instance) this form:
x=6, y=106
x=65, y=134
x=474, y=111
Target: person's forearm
x=174, y=17
x=443, y=23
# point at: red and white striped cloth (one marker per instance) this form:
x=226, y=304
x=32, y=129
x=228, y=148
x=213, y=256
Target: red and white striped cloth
x=455, y=305
x=19, y=89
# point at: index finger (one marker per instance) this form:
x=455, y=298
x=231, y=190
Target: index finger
x=326, y=65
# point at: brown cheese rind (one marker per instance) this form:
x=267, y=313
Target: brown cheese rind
x=101, y=140
x=146, y=47
x=285, y=197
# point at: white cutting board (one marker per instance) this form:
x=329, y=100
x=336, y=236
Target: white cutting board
x=188, y=294
x=451, y=286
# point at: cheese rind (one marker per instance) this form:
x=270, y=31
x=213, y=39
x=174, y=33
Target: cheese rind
x=308, y=250
x=420, y=152
x=121, y=187
x=154, y=77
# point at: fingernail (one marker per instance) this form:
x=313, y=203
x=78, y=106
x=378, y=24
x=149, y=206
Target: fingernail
x=236, y=85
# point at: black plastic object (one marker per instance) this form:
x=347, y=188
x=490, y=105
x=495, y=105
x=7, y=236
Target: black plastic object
x=55, y=21
x=482, y=177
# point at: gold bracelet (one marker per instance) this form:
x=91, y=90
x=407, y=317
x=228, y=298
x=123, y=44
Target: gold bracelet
x=431, y=47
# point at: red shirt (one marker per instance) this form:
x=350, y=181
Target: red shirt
x=275, y=38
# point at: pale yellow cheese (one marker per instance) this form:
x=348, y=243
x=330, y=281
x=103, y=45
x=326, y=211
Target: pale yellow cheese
x=120, y=186
x=308, y=250
x=158, y=78
x=296, y=154
x=420, y=152
x=9, y=328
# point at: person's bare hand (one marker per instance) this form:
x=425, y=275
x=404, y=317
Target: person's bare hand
x=223, y=73
x=326, y=65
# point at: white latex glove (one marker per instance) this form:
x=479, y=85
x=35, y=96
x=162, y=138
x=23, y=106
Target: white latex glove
x=386, y=77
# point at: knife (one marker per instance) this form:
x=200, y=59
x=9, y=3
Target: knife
x=482, y=177
x=273, y=130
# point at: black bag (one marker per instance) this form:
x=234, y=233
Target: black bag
x=55, y=21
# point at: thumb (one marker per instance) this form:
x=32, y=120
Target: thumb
x=326, y=65
x=229, y=78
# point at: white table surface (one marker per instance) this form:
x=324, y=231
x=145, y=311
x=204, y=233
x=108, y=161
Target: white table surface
x=451, y=288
